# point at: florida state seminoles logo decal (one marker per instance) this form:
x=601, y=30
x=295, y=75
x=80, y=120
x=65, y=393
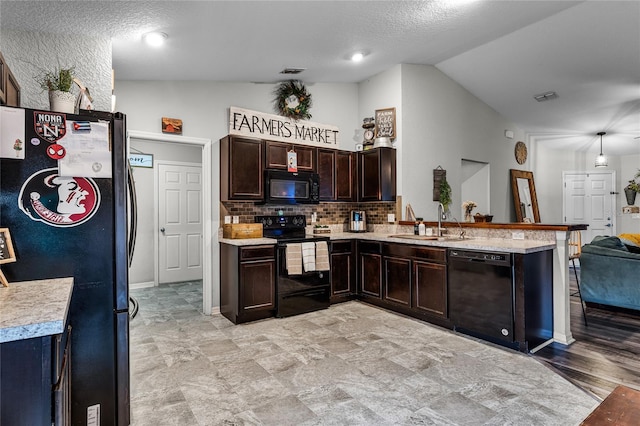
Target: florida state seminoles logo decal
x=59, y=200
x=49, y=126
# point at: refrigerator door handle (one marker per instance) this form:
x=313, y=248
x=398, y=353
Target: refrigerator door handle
x=133, y=212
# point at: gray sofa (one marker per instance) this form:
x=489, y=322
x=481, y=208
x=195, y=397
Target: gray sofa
x=610, y=273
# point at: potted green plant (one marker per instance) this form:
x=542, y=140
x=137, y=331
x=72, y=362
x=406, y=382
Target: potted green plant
x=58, y=83
x=445, y=194
x=632, y=188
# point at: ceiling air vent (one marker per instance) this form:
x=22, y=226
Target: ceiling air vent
x=545, y=96
x=292, y=70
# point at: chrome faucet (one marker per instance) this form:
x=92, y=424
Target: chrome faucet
x=440, y=214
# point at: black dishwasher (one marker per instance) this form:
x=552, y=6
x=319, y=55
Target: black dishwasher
x=481, y=301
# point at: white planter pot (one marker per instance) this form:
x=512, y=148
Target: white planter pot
x=62, y=101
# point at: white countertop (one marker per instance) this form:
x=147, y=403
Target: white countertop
x=34, y=308
x=486, y=244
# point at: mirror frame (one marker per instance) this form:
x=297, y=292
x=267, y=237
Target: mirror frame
x=521, y=174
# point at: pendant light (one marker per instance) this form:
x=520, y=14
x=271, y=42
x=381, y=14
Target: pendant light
x=601, y=159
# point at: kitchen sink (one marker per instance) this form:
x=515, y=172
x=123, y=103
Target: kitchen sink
x=427, y=237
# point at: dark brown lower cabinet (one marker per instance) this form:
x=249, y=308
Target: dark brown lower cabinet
x=405, y=278
x=397, y=280
x=430, y=288
x=247, y=282
x=370, y=268
x=34, y=381
x=343, y=271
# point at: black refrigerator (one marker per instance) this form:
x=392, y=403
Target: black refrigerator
x=64, y=197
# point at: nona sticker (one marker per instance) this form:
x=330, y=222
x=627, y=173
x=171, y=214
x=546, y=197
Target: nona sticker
x=49, y=126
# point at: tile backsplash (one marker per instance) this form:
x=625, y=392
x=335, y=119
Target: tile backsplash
x=328, y=213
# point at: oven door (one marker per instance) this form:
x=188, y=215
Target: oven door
x=297, y=294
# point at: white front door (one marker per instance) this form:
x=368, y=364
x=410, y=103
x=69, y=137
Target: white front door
x=589, y=199
x=180, y=221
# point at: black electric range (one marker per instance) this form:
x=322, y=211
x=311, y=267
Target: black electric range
x=295, y=293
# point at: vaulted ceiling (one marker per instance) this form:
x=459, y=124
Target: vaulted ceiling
x=504, y=52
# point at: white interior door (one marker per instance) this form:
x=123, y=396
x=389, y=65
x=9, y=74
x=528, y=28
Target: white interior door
x=589, y=199
x=180, y=222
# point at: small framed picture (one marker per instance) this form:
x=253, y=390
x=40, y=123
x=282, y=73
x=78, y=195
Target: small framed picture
x=172, y=125
x=141, y=160
x=386, y=123
x=7, y=254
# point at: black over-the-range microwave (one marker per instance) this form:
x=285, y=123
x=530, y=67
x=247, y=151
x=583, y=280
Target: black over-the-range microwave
x=282, y=187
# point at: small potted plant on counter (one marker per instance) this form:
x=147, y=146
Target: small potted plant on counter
x=321, y=229
x=58, y=83
x=632, y=188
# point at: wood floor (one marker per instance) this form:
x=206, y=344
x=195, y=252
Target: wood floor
x=604, y=355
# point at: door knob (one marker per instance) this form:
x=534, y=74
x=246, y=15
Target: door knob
x=608, y=225
x=162, y=230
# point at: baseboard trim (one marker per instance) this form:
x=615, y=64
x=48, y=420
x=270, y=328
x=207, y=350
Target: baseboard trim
x=135, y=286
x=215, y=310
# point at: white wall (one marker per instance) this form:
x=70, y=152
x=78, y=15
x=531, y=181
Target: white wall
x=203, y=105
x=28, y=53
x=549, y=165
x=142, y=266
x=443, y=123
x=203, y=108
x=476, y=178
x=381, y=91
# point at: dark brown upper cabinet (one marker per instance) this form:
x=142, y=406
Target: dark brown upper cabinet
x=276, y=156
x=377, y=175
x=241, y=166
x=337, y=170
x=9, y=87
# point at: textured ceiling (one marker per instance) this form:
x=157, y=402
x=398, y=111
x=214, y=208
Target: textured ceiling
x=502, y=51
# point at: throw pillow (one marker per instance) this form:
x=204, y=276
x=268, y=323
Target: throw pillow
x=609, y=242
x=631, y=241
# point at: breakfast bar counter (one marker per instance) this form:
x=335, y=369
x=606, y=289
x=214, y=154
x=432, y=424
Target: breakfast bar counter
x=35, y=353
x=31, y=309
x=474, y=243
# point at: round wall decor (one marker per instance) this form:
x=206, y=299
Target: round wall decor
x=520, y=152
x=292, y=100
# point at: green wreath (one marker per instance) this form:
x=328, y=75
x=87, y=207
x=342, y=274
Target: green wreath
x=292, y=100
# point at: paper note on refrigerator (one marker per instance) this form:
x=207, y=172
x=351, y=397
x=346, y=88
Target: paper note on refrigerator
x=12, y=133
x=87, y=151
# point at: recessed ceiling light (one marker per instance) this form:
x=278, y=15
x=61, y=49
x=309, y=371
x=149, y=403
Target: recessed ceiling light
x=154, y=38
x=357, y=57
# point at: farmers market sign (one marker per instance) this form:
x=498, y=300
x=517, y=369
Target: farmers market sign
x=243, y=122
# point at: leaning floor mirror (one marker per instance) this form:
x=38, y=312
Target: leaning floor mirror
x=524, y=196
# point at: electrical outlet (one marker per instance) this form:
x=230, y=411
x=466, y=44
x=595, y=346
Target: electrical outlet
x=391, y=217
x=517, y=235
x=227, y=219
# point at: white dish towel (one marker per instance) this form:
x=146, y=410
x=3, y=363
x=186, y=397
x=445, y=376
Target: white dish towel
x=309, y=256
x=322, y=256
x=294, y=259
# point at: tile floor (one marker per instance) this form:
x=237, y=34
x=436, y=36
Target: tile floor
x=352, y=364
